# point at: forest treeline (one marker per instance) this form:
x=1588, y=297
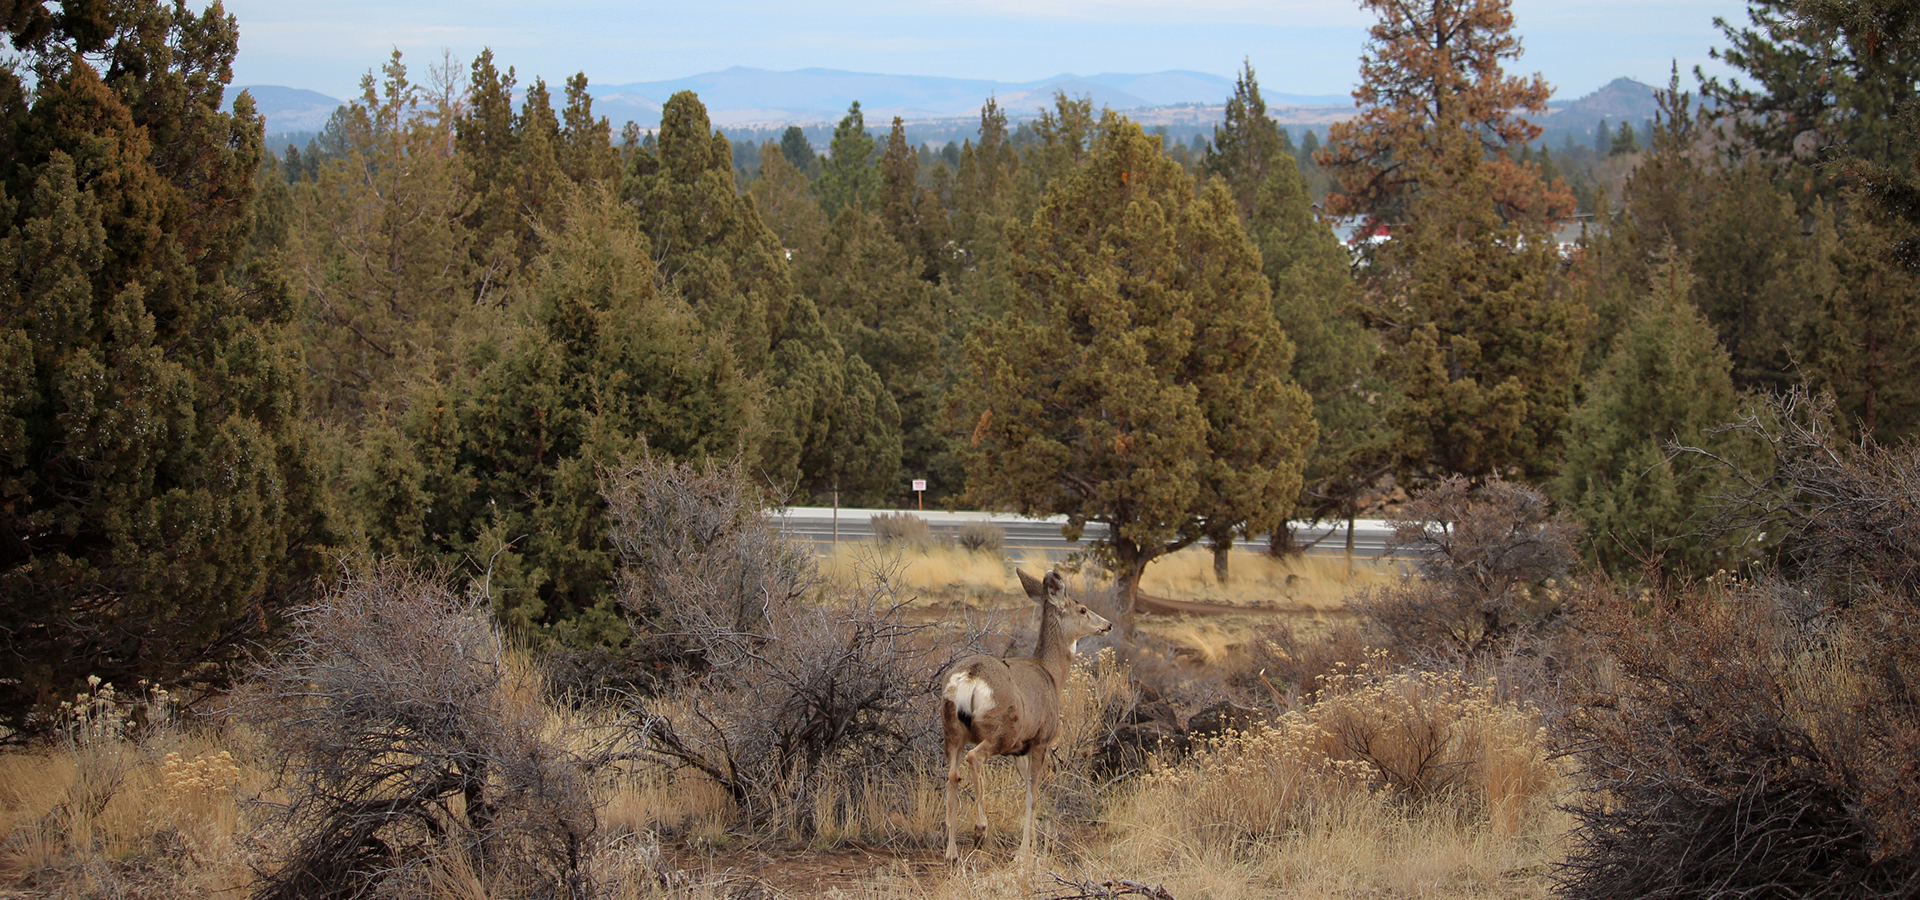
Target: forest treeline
x=228, y=371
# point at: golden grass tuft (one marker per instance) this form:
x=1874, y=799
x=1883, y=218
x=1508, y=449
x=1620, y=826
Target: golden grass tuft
x=99, y=811
x=1316, y=583
x=1391, y=783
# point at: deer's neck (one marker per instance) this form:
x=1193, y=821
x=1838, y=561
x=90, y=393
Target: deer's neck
x=1052, y=648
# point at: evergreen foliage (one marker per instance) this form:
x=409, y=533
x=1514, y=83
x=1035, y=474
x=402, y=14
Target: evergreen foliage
x=784, y=199
x=849, y=177
x=1246, y=144
x=1314, y=300
x=1860, y=341
x=912, y=213
x=872, y=297
x=1668, y=381
x=985, y=201
x=1482, y=338
x=1882, y=39
x=827, y=415
x=1820, y=76
x=799, y=151
x=159, y=501
x=382, y=256
x=1140, y=381
x=499, y=470
x=1065, y=136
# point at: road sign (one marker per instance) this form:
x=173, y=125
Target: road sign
x=919, y=484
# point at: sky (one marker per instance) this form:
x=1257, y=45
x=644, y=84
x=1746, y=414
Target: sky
x=1295, y=46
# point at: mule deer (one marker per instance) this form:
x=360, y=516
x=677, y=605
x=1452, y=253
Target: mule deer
x=1011, y=707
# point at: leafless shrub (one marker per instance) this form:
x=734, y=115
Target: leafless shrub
x=982, y=537
x=1714, y=771
x=696, y=556
x=410, y=744
x=902, y=529
x=1840, y=517
x=796, y=690
x=1760, y=735
x=1491, y=549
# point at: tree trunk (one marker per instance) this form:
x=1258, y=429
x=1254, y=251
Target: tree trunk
x=1349, y=536
x=1220, y=552
x=1280, y=544
x=1129, y=563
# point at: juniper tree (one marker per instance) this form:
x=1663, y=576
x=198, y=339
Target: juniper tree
x=497, y=469
x=1314, y=297
x=718, y=255
x=381, y=255
x=1140, y=381
x=848, y=177
x=912, y=213
x=984, y=203
x=1482, y=338
x=1860, y=340
x=158, y=500
x=1667, y=381
x=1246, y=144
x=784, y=200
x=872, y=296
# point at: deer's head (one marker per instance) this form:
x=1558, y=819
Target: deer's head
x=1072, y=619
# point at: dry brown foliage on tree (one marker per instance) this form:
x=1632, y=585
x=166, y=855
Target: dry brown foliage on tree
x=1429, y=66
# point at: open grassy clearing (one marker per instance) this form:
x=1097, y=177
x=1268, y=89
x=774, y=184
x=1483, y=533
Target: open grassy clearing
x=174, y=814
x=946, y=574
x=179, y=806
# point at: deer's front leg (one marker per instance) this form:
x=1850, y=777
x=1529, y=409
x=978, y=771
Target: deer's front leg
x=953, y=797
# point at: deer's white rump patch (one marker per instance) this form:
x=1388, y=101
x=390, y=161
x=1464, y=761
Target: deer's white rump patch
x=970, y=695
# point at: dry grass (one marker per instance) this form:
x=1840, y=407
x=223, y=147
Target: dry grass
x=100, y=813
x=1392, y=783
x=1307, y=583
x=935, y=572
x=1286, y=812
x=945, y=572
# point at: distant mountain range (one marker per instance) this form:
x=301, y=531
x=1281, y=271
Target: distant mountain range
x=289, y=109
x=1619, y=100
x=742, y=96
x=757, y=97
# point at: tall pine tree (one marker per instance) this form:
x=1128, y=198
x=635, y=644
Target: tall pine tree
x=826, y=413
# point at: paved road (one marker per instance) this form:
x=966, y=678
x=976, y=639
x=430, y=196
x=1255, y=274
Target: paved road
x=817, y=525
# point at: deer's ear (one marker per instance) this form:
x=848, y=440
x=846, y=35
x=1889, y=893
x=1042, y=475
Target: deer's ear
x=1035, y=587
x=1055, y=585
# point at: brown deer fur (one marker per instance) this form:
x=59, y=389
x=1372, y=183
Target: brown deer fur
x=1011, y=707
